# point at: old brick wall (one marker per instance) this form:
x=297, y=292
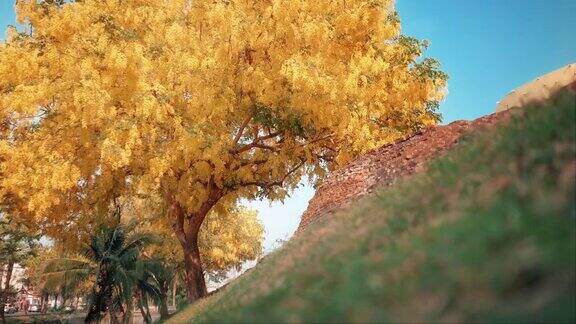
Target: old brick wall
x=385, y=166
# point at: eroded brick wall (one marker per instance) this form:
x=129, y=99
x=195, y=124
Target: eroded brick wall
x=385, y=166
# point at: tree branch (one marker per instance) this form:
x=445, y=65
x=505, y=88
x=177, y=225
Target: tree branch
x=269, y=136
x=257, y=143
x=277, y=183
x=197, y=218
x=241, y=130
x=254, y=145
x=324, y=157
x=251, y=162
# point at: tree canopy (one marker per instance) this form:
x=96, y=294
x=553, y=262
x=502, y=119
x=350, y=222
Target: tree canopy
x=202, y=103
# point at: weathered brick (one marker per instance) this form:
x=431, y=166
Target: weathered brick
x=386, y=166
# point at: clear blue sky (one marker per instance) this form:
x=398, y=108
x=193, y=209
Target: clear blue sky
x=487, y=47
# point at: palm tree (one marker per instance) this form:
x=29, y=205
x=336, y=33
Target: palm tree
x=160, y=276
x=146, y=288
x=111, y=261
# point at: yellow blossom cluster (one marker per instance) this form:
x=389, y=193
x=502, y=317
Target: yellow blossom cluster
x=202, y=103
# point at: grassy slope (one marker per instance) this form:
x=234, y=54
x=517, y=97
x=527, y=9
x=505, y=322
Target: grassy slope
x=488, y=234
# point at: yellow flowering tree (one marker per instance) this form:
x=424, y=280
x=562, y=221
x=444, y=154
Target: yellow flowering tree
x=201, y=102
x=226, y=239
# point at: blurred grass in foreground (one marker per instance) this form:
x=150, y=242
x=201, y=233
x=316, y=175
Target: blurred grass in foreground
x=487, y=234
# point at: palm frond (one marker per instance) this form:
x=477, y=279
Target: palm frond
x=138, y=241
x=116, y=240
x=65, y=273
x=150, y=290
x=61, y=264
x=128, y=258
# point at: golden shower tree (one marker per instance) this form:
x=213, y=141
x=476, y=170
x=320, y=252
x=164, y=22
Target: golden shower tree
x=200, y=102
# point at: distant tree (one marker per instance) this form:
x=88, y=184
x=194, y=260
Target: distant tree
x=17, y=245
x=34, y=269
x=111, y=260
x=154, y=282
x=201, y=103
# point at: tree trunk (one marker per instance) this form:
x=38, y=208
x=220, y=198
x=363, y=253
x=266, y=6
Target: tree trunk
x=1, y=275
x=8, y=276
x=2, y=294
x=4, y=291
x=113, y=317
x=194, y=277
x=127, y=315
x=186, y=227
x=174, y=288
x=44, y=302
x=164, y=305
x=145, y=314
x=64, y=300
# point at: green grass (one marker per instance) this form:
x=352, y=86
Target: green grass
x=488, y=234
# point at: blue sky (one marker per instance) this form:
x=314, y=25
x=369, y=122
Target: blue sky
x=7, y=16
x=487, y=47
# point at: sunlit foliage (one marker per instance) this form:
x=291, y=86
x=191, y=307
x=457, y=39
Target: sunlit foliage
x=202, y=103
